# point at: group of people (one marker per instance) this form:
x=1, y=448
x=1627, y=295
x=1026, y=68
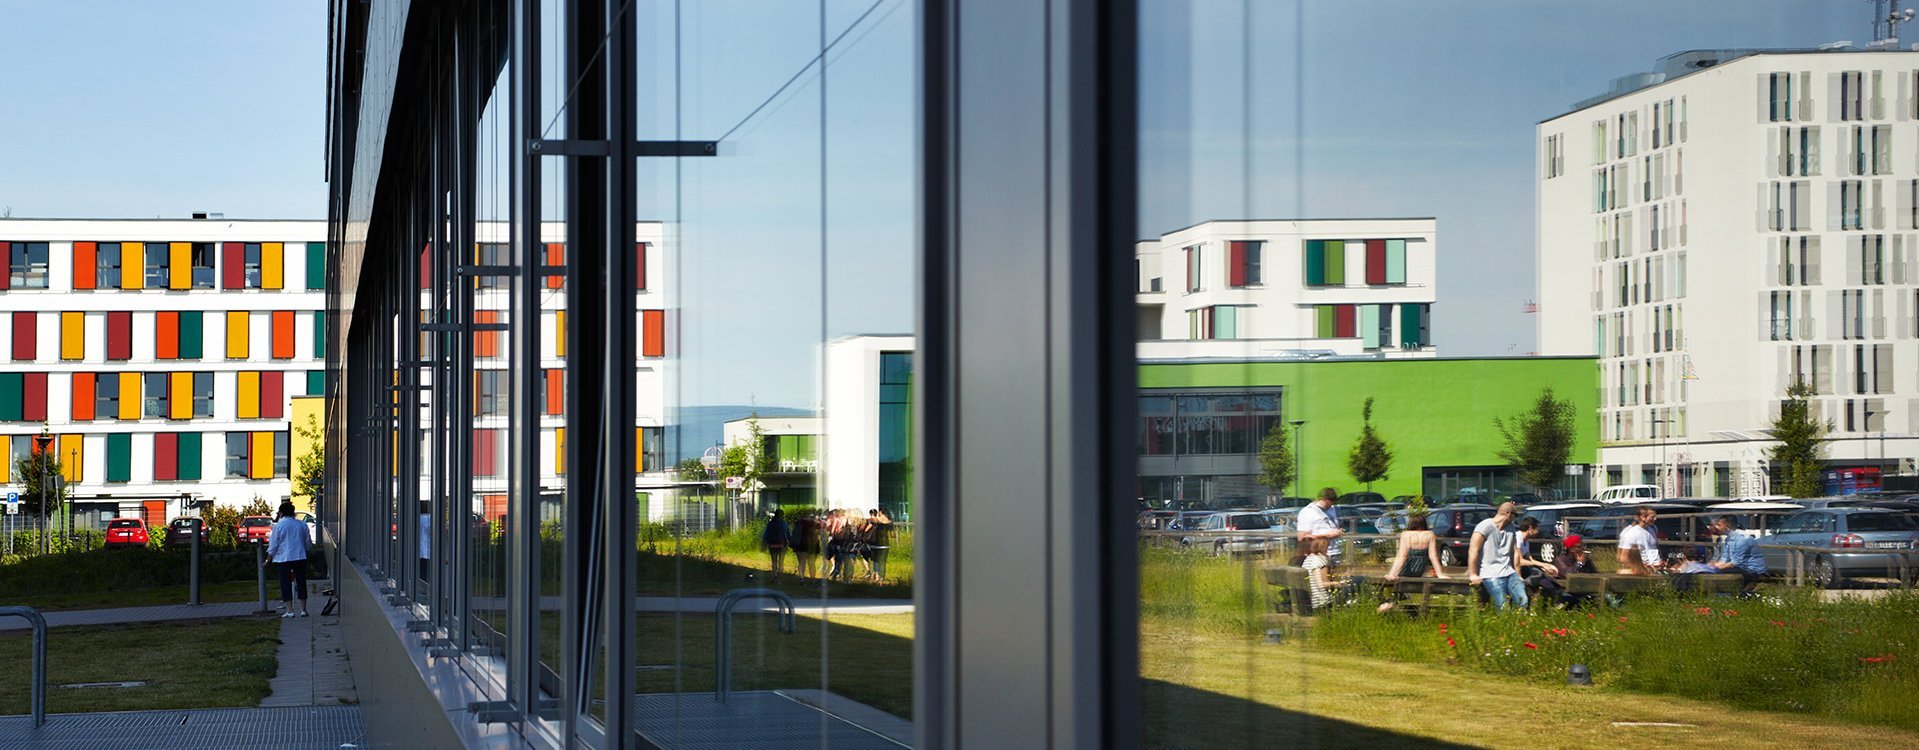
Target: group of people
x=844, y=538
x=1500, y=559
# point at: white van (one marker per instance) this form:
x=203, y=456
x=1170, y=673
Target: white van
x=1628, y=493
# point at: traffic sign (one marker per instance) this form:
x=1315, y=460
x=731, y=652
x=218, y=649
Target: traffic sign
x=13, y=503
x=734, y=483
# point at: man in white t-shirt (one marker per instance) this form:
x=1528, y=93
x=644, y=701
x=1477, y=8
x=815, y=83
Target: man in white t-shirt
x=1318, y=519
x=1493, y=560
x=1638, y=547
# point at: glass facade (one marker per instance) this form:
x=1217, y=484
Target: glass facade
x=896, y=435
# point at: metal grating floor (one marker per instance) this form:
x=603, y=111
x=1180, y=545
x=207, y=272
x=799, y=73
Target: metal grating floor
x=751, y=719
x=275, y=728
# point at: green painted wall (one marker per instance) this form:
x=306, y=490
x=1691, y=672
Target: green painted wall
x=1433, y=412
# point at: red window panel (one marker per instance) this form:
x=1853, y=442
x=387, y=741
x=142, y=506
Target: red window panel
x=486, y=453
x=233, y=262
x=26, y=331
x=1345, y=325
x=166, y=456
x=82, y=396
x=555, y=256
x=1375, y=261
x=120, y=335
x=1236, y=263
x=6, y=265
x=84, y=265
x=272, y=395
x=652, y=333
x=556, y=391
x=639, y=265
x=33, y=401
x=426, y=267
x=495, y=508
x=486, y=343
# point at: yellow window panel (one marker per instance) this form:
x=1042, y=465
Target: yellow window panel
x=6, y=467
x=272, y=265
x=180, y=265
x=559, y=451
x=639, y=449
x=133, y=267
x=260, y=456
x=239, y=334
x=72, y=458
x=249, y=395
x=559, y=333
x=73, y=335
x=129, y=395
x=180, y=395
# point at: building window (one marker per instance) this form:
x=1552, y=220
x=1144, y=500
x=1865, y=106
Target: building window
x=896, y=434
x=1243, y=263
x=1206, y=424
x=203, y=394
x=1192, y=269
x=106, y=265
x=156, y=395
x=1851, y=95
x=201, y=259
x=1336, y=321
x=252, y=264
x=159, y=266
x=492, y=254
x=1779, y=97
x=1852, y=199
x=106, y=395
x=489, y=393
x=1325, y=262
x=1415, y=322
x=282, y=450
x=1554, y=156
x=26, y=264
x=237, y=443
x=1781, y=325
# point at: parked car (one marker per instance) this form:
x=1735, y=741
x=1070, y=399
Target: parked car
x=254, y=529
x=1606, y=522
x=1260, y=540
x=1898, y=506
x=1754, y=518
x=1553, y=516
x=126, y=532
x=1358, y=498
x=1844, y=542
x=1628, y=493
x=1830, y=502
x=1391, y=522
x=1186, y=519
x=181, y=530
x=1452, y=527
x=1156, y=520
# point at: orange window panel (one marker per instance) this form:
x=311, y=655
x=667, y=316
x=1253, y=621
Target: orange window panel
x=555, y=256
x=84, y=265
x=555, y=392
x=486, y=343
x=166, y=324
x=652, y=333
x=82, y=396
x=283, y=334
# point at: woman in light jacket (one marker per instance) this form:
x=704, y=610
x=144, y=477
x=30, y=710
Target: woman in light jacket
x=287, y=550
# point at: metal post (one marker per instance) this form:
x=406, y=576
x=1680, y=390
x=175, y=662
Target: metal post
x=193, y=567
x=260, y=570
x=523, y=488
x=33, y=618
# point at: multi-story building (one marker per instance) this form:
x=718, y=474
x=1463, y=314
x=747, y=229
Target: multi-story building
x=1273, y=287
x=160, y=356
x=1721, y=227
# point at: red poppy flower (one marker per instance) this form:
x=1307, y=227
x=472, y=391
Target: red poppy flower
x=1730, y=612
x=1450, y=643
x=1531, y=645
x=1622, y=618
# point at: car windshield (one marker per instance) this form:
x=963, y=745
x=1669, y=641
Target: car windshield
x=1250, y=522
x=124, y=524
x=258, y=522
x=1880, y=522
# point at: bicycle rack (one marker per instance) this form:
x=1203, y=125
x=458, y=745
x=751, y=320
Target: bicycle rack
x=39, y=623
x=723, y=632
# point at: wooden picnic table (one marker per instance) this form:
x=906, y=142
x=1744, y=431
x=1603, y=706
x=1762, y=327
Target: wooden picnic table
x=1624, y=583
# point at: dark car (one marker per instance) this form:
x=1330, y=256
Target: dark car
x=1840, y=542
x=1452, y=527
x=180, y=532
x=1606, y=522
x=1357, y=498
x=1555, y=519
x=126, y=532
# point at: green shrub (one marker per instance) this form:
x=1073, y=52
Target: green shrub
x=116, y=570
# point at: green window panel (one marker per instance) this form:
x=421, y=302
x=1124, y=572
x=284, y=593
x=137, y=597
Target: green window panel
x=1335, y=262
x=193, y=334
x=189, y=456
x=316, y=266
x=1369, y=325
x=1412, y=326
x=120, y=458
x=1315, y=263
x=1395, y=261
x=1327, y=320
x=319, y=335
x=12, y=394
x=316, y=382
x=1225, y=322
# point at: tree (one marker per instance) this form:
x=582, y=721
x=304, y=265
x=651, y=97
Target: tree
x=1802, y=443
x=747, y=459
x=1277, y=464
x=1371, y=458
x=1539, y=441
x=27, y=473
x=309, y=476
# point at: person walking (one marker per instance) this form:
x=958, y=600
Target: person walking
x=1418, y=555
x=287, y=551
x=775, y=539
x=806, y=543
x=879, y=535
x=1494, y=559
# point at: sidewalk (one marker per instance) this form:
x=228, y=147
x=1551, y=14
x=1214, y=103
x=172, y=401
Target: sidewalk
x=120, y=615
x=706, y=604
x=313, y=663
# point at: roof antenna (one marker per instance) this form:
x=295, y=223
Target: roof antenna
x=1885, y=23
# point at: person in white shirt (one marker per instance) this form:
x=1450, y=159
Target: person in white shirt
x=287, y=550
x=1494, y=559
x=1318, y=519
x=1638, y=547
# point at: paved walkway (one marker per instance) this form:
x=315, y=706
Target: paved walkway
x=313, y=663
x=120, y=615
x=315, y=727
x=705, y=605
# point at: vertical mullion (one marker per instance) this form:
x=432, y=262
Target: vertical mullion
x=523, y=684
x=617, y=512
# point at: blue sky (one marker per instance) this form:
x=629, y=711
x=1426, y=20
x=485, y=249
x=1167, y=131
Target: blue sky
x=1409, y=109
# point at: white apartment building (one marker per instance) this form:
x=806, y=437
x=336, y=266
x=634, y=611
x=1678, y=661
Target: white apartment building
x=1723, y=226
x=160, y=356
x=1289, y=287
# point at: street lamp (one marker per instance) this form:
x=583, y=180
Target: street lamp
x=41, y=442
x=1299, y=457
x=1659, y=432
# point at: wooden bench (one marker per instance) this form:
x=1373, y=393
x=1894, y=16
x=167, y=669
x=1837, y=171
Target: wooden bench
x=1601, y=584
x=1290, y=598
x=1419, y=596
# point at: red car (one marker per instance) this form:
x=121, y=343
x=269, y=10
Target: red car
x=126, y=532
x=255, y=529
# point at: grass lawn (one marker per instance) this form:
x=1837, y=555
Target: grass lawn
x=870, y=657
x=210, y=593
x=197, y=664
x=1208, y=689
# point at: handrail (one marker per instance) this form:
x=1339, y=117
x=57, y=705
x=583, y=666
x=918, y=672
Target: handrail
x=723, y=632
x=39, y=623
